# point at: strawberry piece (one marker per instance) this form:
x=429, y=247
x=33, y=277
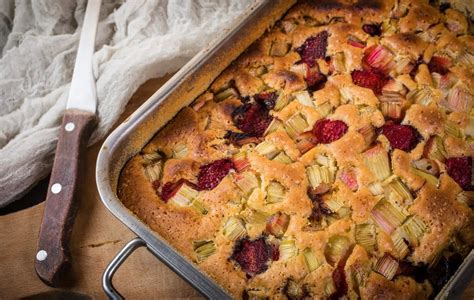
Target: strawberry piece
x=370, y=78
x=439, y=65
x=355, y=42
x=314, y=79
x=275, y=252
x=268, y=99
x=210, y=175
x=169, y=189
x=460, y=169
x=349, y=177
x=327, y=131
x=403, y=137
x=372, y=29
x=252, y=118
x=253, y=256
x=314, y=48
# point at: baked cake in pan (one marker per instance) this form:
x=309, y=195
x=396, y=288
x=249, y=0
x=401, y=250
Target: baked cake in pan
x=332, y=159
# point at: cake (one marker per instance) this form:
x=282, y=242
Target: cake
x=332, y=159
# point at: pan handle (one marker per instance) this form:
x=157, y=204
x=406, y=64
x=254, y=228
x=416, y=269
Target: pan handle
x=118, y=260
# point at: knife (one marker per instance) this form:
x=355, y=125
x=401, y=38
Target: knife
x=53, y=255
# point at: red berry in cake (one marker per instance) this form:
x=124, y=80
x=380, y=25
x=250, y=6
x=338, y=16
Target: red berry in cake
x=460, y=169
x=439, y=65
x=314, y=79
x=403, y=137
x=170, y=189
x=314, y=48
x=252, y=118
x=372, y=29
x=327, y=131
x=253, y=256
x=211, y=174
x=370, y=78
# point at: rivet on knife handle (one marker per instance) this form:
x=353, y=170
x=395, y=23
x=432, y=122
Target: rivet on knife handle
x=52, y=256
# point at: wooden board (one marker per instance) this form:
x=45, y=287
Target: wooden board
x=96, y=238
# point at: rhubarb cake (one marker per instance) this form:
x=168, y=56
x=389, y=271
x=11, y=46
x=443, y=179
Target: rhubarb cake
x=332, y=159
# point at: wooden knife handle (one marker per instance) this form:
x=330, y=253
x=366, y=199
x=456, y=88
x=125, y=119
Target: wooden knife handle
x=53, y=257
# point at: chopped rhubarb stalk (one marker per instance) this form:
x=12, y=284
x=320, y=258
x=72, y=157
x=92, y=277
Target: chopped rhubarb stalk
x=296, y=125
x=327, y=131
x=459, y=100
x=154, y=171
x=305, y=142
x=387, y=266
x=376, y=160
x=241, y=163
x=203, y=249
x=180, y=151
x=318, y=175
x=240, y=139
x=439, y=64
x=184, y=196
x=372, y=79
x=275, y=125
x=434, y=149
x=425, y=175
x=310, y=260
x=226, y=94
x=279, y=48
x=277, y=224
x=355, y=42
x=399, y=243
x=365, y=236
x=275, y=192
x=234, y=228
x=294, y=290
x=267, y=149
x=246, y=181
x=283, y=158
x=403, y=137
x=314, y=48
x=387, y=216
x=336, y=247
x=466, y=58
x=287, y=249
x=252, y=118
x=210, y=175
x=427, y=165
x=396, y=187
x=368, y=132
x=372, y=29
x=379, y=57
x=304, y=98
x=253, y=256
x=391, y=105
x=460, y=169
x=169, y=189
x=149, y=158
x=423, y=95
x=413, y=230
x=253, y=216
x=349, y=177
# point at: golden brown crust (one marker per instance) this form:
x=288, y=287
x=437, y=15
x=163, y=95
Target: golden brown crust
x=413, y=35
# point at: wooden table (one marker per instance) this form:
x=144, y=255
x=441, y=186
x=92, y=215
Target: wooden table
x=97, y=237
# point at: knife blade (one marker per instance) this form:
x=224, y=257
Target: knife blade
x=53, y=255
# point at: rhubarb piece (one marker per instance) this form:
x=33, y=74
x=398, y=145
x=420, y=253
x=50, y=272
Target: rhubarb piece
x=376, y=188
x=355, y=42
x=203, y=249
x=267, y=149
x=334, y=204
x=327, y=131
x=281, y=102
x=274, y=126
x=365, y=236
x=423, y=95
x=258, y=71
x=154, y=171
x=466, y=197
x=349, y=177
x=210, y=175
x=240, y=161
x=234, y=228
x=252, y=118
x=399, y=243
x=310, y=260
x=283, y=158
x=253, y=216
x=379, y=58
x=294, y=290
x=279, y=48
x=427, y=165
x=397, y=187
x=296, y=125
x=425, y=175
x=371, y=78
x=372, y=29
x=314, y=48
x=368, y=132
x=434, y=149
x=336, y=247
x=403, y=137
x=247, y=182
x=180, y=151
x=304, y=98
x=466, y=58
x=149, y=158
x=170, y=189
x=386, y=266
x=376, y=160
x=439, y=64
x=199, y=207
x=222, y=95
x=460, y=169
x=452, y=129
x=387, y=216
x=319, y=174
x=413, y=230
x=305, y=142
x=252, y=256
x=287, y=249
x=184, y=196
x=277, y=224
x=459, y=100
x=339, y=62
x=391, y=104
x=239, y=138
x=275, y=192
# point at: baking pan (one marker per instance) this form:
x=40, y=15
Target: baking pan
x=132, y=135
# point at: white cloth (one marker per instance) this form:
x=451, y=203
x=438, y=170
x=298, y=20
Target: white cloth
x=136, y=40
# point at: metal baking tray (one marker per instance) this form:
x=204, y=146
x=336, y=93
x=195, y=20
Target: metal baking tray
x=135, y=132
